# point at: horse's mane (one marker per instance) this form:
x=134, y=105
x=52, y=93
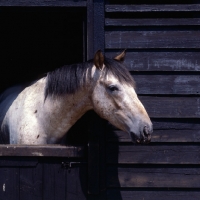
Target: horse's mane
x=69, y=78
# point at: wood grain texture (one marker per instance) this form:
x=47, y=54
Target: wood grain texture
x=158, y=136
x=153, y=22
x=167, y=84
x=152, y=195
x=160, y=60
x=150, y=154
x=153, y=8
x=164, y=130
x=152, y=39
x=31, y=183
x=55, y=3
x=172, y=107
x=9, y=182
x=37, y=150
x=154, y=177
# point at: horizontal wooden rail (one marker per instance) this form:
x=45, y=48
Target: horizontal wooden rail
x=167, y=84
x=140, y=39
x=160, y=60
x=154, y=8
x=44, y=150
x=152, y=195
x=172, y=107
x=153, y=22
x=32, y=3
x=154, y=177
x=150, y=154
x=164, y=136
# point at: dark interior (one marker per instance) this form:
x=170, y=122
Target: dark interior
x=34, y=41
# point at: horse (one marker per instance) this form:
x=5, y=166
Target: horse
x=44, y=111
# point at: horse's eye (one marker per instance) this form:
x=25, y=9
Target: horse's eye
x=113, y=88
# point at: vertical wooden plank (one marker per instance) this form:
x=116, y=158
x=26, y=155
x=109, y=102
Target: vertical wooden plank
x=90, y=26
x=9, y=183
x=60, y=181
x=95, y=41
x=76, y=187
x=96, y=159
x=54, y=180
x=99, y=18
x=48, y=181
x=95, y=27
x=31, y=183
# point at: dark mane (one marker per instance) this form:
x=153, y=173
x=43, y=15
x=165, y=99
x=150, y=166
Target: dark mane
x=68, y=79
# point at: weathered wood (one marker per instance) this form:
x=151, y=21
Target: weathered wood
x=152, y=195
x=160, y=60
x=76, y=185
x=9, y=161
x=54, y=181
x=159, y=136
x=164, y=130
x=153, y=22
x=149, y=154
x=37, y=150
x=153, y=8
x=172, y=107
x=96, y=158
x=9, y=182
x=60, y=3
x=167, y=84
x=152, y=39
x=31, y=182
x=154, y=177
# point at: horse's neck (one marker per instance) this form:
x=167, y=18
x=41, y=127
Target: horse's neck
x=62, y=112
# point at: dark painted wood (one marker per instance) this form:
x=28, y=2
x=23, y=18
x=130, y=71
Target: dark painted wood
x=38, y=150
x=152, y=39
x=112, y=194
x=170, y=135
x=160, y=60
x=53, y=190
x=76, y=185
x=164, y=130
x=172, y=107
x=49, y=3
x=96, y=159
x=98, y=26
x=8, y=161
x=154, y=177
x=153, y=22
x=31, y=183
x=153, y=8
x=150, y=154
x=167, y=84
x=9, y=182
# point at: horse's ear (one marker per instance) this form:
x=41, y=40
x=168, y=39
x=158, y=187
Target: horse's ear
x=98, y=59
x=121, y=56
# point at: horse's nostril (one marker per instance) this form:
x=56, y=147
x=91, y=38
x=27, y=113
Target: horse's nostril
x=146, y=131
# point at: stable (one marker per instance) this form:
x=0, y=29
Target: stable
x=162, y=39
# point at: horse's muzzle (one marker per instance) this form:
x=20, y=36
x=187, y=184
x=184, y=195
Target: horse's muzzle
x=145, y=136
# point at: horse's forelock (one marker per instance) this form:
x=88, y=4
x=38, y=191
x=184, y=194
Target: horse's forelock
x=119, y=70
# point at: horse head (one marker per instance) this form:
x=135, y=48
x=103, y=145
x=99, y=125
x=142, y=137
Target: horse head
x=114, y=98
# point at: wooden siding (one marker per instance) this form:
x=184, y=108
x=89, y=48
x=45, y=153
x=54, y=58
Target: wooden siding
x=163, y=51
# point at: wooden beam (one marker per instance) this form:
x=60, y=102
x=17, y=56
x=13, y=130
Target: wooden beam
x=153, y=22
x=44, y=151
x=49, y=3
x=161, y=38
x=154, y=8
x=160, y=60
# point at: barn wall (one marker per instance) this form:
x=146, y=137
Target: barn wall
x=162, y=39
